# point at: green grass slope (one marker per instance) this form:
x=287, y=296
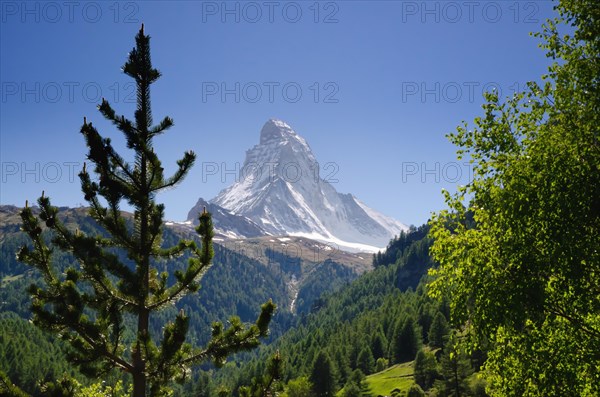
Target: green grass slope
x=399, y=376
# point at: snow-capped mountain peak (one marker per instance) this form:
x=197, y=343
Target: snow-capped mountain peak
x=279, y=189
x=276, y=130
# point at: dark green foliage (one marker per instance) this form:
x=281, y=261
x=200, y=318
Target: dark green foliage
x=8, y=389
x=328, y=276
x=411, y=263
x=223, y=391
x=426, y=369
x=397, y=246
x=14, y=297
x=438, y=331
x=88, y=304
x=10, y=265
x=267, y=384
x=357, y=385
x=365, y=361
x=352, y=390
x=478, y=388
x=379, y=345
x=407, y=340
x=63, y=387
x=232, y=285
x=30, y=355
x=202, y=386
x=455, y=368
x=322, y=376
x=415, y=391
x=342, y=364
x=287, y=263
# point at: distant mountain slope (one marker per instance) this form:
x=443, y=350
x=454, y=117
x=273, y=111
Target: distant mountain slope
x=366, y=314
x=235, y=284
x=280, y=190
x=245, y=272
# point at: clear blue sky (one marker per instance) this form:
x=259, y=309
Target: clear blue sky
x=381, y=84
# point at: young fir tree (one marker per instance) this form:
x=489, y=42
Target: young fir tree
x=407, y=341
x=425, y=369
x=87, y=305
x=438, y=331
x=365, y=361
x=322, y=376
x=455, y=368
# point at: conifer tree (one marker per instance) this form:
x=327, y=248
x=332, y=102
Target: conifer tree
x=415, y=391
x=456, y=368
x=438, y=331
x=322, y=376
x=407, y=341
x=426, y=369
x=86, y=306
x=356, y=385
x=365, y=361
x=378, y=344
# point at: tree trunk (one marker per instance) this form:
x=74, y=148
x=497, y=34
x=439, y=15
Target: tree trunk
x=139, y=363
x=139, y=384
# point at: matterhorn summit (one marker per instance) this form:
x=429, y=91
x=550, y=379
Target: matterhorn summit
x=280, y=190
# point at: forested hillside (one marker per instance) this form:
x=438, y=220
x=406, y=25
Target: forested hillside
x=29, y=355
x=383, y=318
x=234, y=284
